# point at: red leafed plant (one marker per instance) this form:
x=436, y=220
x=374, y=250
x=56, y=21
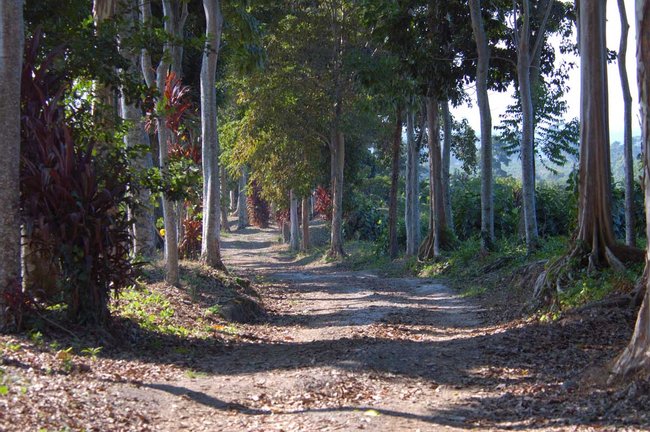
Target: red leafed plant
x=282, y=217
x=190, y=246
x=177, y=101
x=176, y=104
x=191, y=152
x=323, y=204
x=258, y=208
x=69, y=214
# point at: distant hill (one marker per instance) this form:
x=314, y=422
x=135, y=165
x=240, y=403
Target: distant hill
x=505, y=166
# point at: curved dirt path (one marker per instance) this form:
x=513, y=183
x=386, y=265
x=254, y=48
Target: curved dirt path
x=339, y=351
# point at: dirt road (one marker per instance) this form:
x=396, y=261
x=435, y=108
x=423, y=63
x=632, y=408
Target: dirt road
x=354, y=351
x=339, y=351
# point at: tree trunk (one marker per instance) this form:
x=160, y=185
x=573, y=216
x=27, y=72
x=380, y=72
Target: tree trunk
x=630, y=235
x=393, y=247
x=225, y=226
x=438, y=237
x=412, y=205
x=164, y=138
x=595, y=227
x=527, y=145
x=483, y=101
x=337, y=151
x=293, y=218
x=636, y=356
x=446, y=162
x=210, y=251
x=11, y=54
x=242, y=211
x=144, y=241
x=304, y=245
x=178, y=19
x=232, y=201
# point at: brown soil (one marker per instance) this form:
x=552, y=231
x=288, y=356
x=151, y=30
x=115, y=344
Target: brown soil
x=355, y=351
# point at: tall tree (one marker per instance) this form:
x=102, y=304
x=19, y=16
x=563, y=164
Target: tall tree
x=304, y=240
x=636, y=355
x=482, y=69
x=527, y=50
x=156, y=78
x=595, y=228
x=447, y=126
x=595, y=245
x=242, y=212
x=136, y=136
x=412, y=206
x=439, y=236
x=11, y=54
x=337, y=14
x=294, y=224
x=396, y=147
x=210, y=250
x=630, y=235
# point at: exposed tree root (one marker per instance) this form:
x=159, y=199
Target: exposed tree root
x=636, y=356
x=429, y=249
x=563, y=271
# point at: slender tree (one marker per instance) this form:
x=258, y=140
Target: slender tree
x=396, y=146
x=447, y=125
x=337, y=139
x=225, y=226
x=11, y=54
x=412, y=206
x=142, y=213
x=305, y=210
x=156, y=78
x=630, y=235
x=636, y=355
x=439, y=236
x=210, y=251
x=294, y=240
x=482, y=69
x=242, y=211
x=526, y=51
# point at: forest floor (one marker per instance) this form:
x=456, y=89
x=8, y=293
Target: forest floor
x=336, y=350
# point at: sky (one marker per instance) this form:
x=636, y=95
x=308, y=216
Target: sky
x=499, y=101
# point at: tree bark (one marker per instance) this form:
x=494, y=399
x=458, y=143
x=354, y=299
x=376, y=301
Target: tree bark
x=446, y=162
x=636, y=356
x=144, y=241
x=527, y=143
x=438, y=237
x=11, y=54
x=232, y=201
x=164, y=139
x=412, y=206
x=225, y=226
x=337, y=151
x=304, y=245
x=294, y=241
x=242, y=211
x=594, y=206
x=210, y=251
x=396, y=145
x=483, y=102
x=630, y=234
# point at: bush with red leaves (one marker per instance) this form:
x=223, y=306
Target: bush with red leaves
x=323, y=204
x=69, y=214
x=190, y=246
x=258, y=208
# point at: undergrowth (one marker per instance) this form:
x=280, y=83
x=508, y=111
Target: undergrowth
x=506, y=270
